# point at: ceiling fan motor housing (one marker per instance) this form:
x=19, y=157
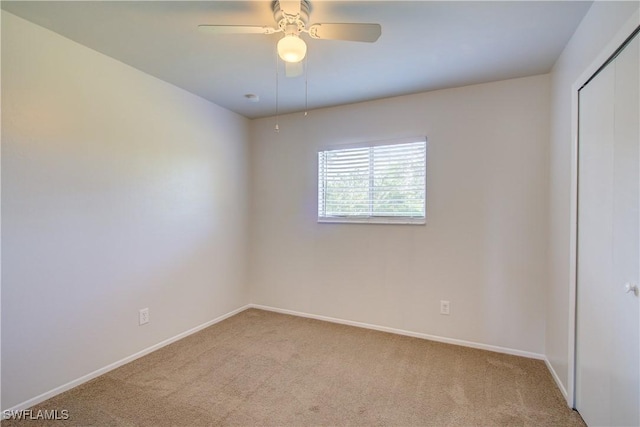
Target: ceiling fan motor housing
x=292, y=24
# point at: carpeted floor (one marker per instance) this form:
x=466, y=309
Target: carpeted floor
x=260, y=368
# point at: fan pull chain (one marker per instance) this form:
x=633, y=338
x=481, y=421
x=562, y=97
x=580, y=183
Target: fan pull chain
x=277, y=128
x=306, y=85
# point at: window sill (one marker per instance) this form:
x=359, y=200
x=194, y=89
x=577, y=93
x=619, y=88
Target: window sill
x=368, y=220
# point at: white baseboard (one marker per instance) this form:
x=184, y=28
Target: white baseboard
x=556, y=378
x=454, y=341
x=71, y=384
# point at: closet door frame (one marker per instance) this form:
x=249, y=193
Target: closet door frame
x=602, y=59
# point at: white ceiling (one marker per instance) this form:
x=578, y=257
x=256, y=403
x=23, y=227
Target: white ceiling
x=425, y=45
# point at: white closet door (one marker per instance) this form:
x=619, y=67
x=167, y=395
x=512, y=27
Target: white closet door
x=608, y=325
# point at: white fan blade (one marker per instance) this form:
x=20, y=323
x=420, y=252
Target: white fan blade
x=235, y=29
x=351, y=32
x=290, y=7
x=293, y=69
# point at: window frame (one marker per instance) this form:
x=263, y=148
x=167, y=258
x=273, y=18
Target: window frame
x=361, y=219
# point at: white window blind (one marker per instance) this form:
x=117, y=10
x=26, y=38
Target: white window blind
x=378, y=182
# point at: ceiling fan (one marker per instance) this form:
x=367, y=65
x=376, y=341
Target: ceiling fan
x=292, y=17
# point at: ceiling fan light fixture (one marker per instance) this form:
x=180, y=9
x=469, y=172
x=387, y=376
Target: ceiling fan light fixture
x=292, y=48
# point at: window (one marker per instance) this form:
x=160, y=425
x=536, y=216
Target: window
x=382, y=182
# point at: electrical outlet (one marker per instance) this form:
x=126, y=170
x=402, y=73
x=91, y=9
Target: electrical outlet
x=445, y=307
x=143, y=316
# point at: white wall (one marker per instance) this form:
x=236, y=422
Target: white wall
x=600, y=24
x=484, y=245
x=119, y=191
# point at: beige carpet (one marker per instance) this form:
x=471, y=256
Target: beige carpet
x=260, y=368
